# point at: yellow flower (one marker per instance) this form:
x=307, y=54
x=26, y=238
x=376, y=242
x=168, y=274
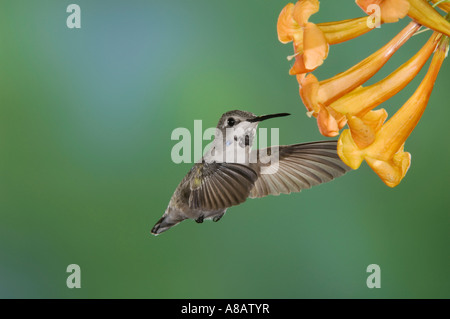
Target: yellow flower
x=342, y=100
x=357, y=105
x=419, y=10
x=385, y=155
x=443, y=5
x=422, y=12
x=391, y=10
x=311, y=41
x=375, y=94
x=317, y=96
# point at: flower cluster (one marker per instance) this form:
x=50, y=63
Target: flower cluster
x=342, y=100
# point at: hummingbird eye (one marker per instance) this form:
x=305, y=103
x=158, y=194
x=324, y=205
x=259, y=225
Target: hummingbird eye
x=231, y=121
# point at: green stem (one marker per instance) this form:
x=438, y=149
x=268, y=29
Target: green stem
x=439, y=2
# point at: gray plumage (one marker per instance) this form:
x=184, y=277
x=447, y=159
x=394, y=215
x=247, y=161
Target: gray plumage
x=216, y=183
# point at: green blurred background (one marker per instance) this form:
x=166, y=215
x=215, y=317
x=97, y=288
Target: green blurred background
x=86, y=118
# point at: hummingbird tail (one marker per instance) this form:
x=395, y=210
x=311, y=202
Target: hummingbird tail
x=163, y=224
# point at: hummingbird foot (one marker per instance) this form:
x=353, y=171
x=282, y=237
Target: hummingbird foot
x=200, y=219
x=218, y=217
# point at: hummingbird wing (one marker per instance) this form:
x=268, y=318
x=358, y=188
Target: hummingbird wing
x=215, y=186
x=292, y=168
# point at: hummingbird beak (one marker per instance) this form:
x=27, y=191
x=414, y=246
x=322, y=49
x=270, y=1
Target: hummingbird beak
x=266, y=117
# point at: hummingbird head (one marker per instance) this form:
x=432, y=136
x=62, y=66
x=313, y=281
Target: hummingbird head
x=240, y=126
x=241, y=119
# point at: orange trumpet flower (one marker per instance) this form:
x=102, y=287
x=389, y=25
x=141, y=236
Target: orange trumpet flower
x=385, y=155
x=391, y=10
x=419, y=10
x=342, y=100
x=375, y=94
x=311, y=41
x=318, y=95
x=443, y=5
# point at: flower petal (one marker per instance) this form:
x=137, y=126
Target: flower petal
x=385, y=155
x=364, y=4
x=375, y=119
x=390, y=10
x=393, y=10
x=332, y=89
x=341, y=31
x=309, y=85
x=348, y=151
x=363, y=129
x=299, y=66
x=286, y=25
x=391, y=172
x=327, y=124
x=395, y=132
x=363, y=99
x=340, y=118
x=426, y=15
x=304, y=9
x=315, y=46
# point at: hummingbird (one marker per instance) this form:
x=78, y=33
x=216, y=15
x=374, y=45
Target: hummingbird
x=231, y=171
